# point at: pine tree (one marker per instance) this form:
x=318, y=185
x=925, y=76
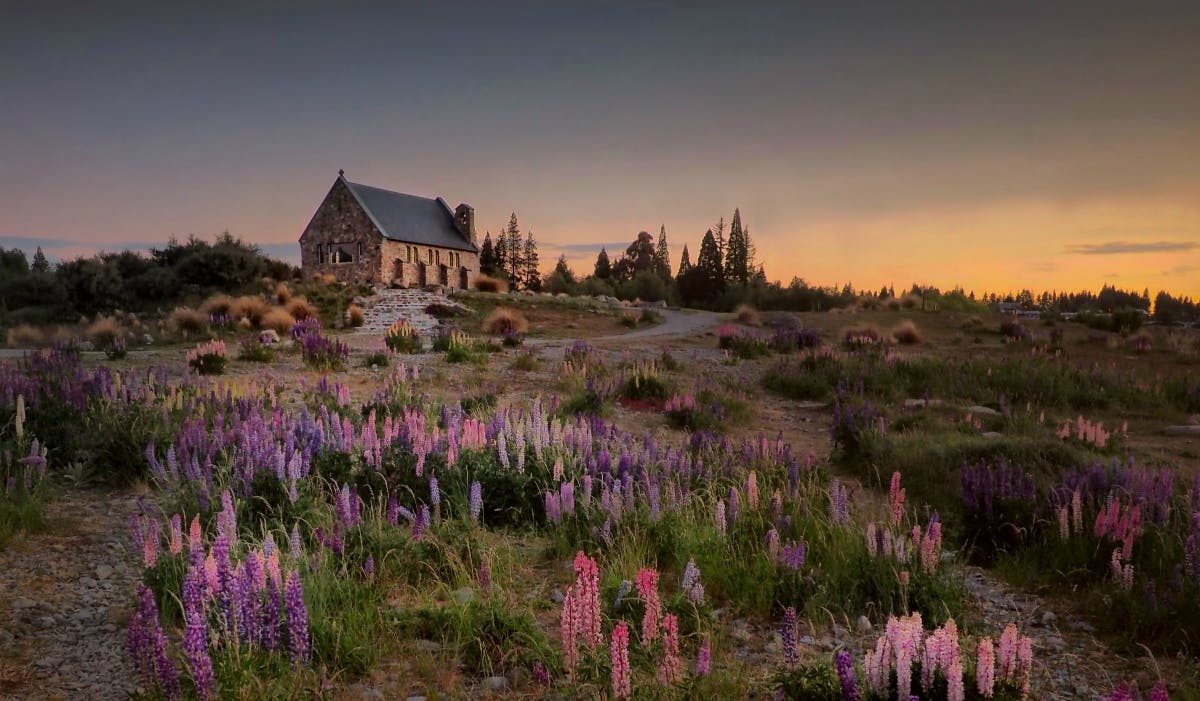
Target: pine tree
x=706, y=280
x=563, y=270
x=720, y=237
x=500, y=254
x=487, y=255
x=40, y=264
x=685, y=262
x=516, y=265
x=663, y=255
x=603, y=269
x=737, y=253
x=531, y=277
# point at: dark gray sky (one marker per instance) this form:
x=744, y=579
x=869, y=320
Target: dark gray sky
x=992, y=145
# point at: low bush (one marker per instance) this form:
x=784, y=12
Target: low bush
x=253, y=350
x=906, y=334
x=278, y=319
x=186, y=320
x=487, y=283
x=748, y=315
x=207, y=358
x=503, y=321
x=103, y=332
x=1014, y=330
x=402, y=337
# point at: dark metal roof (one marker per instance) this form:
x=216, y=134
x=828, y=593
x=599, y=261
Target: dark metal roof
x=410, y=218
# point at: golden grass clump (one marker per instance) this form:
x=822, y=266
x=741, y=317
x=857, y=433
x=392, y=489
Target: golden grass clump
x=218, y=305
x=503, y=320
x=300, y=308
x=278, y=319
x=283, y=293
x=906, y=334
x=973, y=322
x=893, y=304
x=487, y=283
x=103, y=332
x=186, y=320
x=250, y=307
x=748, y=315
x=26, y=336
x=910, y=301
x=355, y=316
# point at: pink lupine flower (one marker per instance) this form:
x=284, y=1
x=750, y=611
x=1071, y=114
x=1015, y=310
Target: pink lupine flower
x=904, y=578
x=671, y=670
x=896, y=499
x=721, y=525
x=752, y=490
x=587, y=587
x=1159, y=692
x=619, y=653
x=985, y=669
x=647, y=586
x=195, y=539
x=176, y=543
x=1077, y=512
x=570, y=630
x=954, y=680
x=150, y=545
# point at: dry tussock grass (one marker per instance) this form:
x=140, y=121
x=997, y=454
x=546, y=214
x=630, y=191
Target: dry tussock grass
x=910, y=301
x=355, y=316
x=487, y=283
x=906, y=334
x=278, y=319
x=103, y=332
x=250, y=307
x=300, y=308
x=26, y=336
x=748, y=315
x=283, y=293
x=504, y=320
x=219, y=304
x=186, y=320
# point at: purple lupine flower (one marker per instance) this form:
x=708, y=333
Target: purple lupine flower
x=476, y=505
x=393, y=511
x=148, y=645
x=294, y=545
x=195, y=645
x=420, y=522
x=788, y=633
x=369, y=566
x=297, y=618
x=846, y=674
x=435, y=494
x=271, y=617
x=1159, y=692
x=704, y=658
x=540, y=674
x=734, y=509
x=793, y=555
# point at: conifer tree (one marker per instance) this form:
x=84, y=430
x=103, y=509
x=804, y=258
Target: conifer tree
x=737, y=253
x=563, y=270
x=500, y=253
x=513, y=259
x=719, y=237
x=603, y=269
x=487, y=255
x=40, y=264
x=685, y=262
x=709, y=262
x=531, y=277
x=663, y=255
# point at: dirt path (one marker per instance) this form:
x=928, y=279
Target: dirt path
x=65, y=596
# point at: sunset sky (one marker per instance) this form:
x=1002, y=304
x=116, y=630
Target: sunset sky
x=992, y=145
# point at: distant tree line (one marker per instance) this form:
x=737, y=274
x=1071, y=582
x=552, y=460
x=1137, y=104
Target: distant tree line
x=38, y=292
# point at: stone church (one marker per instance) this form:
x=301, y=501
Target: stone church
x=366, y=234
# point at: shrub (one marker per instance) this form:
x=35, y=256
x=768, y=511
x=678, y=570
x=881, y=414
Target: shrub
x=254, y=350
x=300, y=308
x=378, y=359
x=250, y=307
x=487, y=283
x=402, y=337
x=279, y=320
x=26, y=336
x=439, y=310
x=788, y=339
x=526, y=362
x=1014, y=330
x=354, y=316
x=187, y=320
x=905, y=333
x=893, y=304
x=458, y=347
x=115, y=350
x=207, y=358
x=643, y=382
x=103, y=332
x=503, y=321
x=323, y=353
x=910, y=301
x=748, y=315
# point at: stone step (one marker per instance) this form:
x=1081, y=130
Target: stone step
x=386, y=307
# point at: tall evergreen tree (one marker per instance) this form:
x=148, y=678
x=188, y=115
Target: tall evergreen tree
x=487, y=255
x=500, y=253
x=514, y=258
x=704, y=281
x=531, y=277
x=40, y=264
x=603, y=269
x=663, y=255
x=563, y=270
x=685, y=262
x=737, y=253
x=719, y=235
x=640, y=256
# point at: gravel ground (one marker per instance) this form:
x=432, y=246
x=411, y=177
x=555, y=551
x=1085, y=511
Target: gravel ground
x=64, y=598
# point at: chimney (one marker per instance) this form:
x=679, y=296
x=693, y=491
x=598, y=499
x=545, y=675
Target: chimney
x=464, y=220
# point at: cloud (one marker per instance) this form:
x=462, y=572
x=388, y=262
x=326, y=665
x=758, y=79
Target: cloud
x=1116, y=247
x=1184, y=269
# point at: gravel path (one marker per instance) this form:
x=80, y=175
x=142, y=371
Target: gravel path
x=64, y=598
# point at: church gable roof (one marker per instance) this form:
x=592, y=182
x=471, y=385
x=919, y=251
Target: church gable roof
x=409, y=218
